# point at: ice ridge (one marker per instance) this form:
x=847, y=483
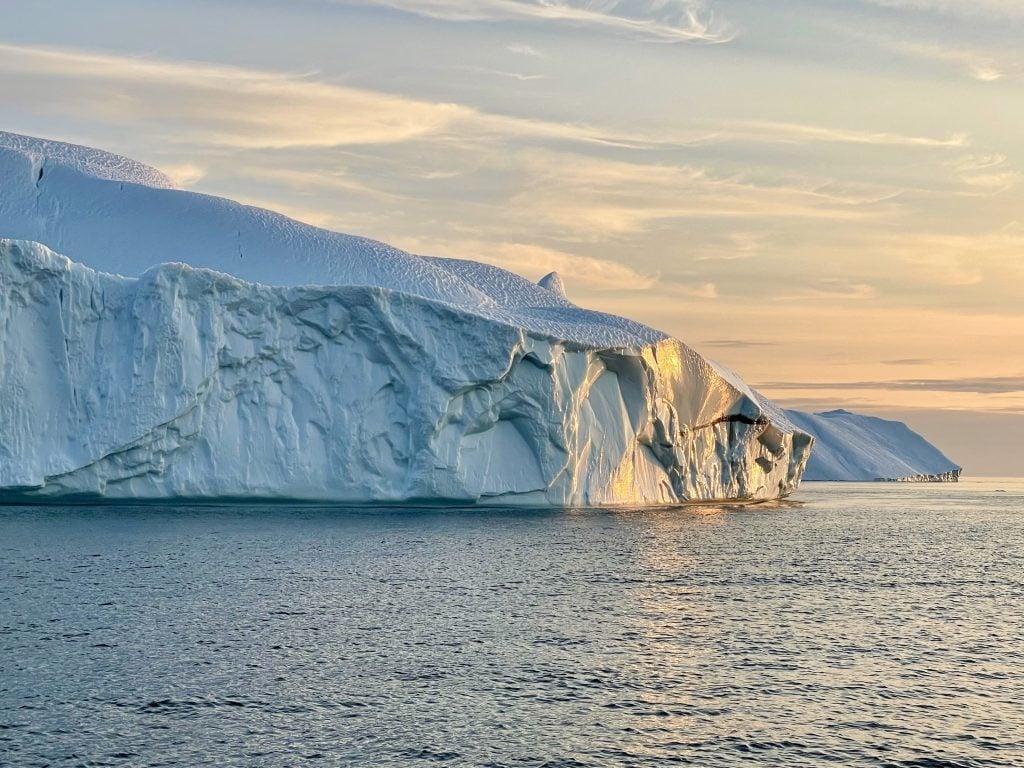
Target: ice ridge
x=854, y=447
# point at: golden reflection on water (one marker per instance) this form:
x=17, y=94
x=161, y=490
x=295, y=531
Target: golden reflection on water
x=675, y=624
x=679, y=627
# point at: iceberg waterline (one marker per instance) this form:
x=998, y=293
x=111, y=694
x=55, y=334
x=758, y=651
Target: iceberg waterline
x=363, y=374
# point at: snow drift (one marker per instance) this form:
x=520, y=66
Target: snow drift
x=852, y=447
x=330, y=367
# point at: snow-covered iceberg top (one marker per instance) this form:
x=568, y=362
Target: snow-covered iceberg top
x=121, y=217
x=853, y=447
x=330, y=367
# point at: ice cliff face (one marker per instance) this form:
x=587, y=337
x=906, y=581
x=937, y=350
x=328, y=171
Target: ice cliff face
x=853, y=447
x=364, y=374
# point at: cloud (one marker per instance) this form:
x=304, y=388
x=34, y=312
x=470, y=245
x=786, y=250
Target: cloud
x=234, y=107
x=992, y=183
x=965, y=8
x=769, y=132
x=833, y=289
x=986, y=62
x=973, y=168
x=522, y=49
x=241, y=108
x=987, y=385
x=736, y=344
x=986, y=174
x=661, y=21
x=324, y=179
x=590, y=198
x=910, y=361
x=215, y=104
x=959, y=259
x=523, y=78
x=984, y=66
x=701, y=290
x=183, y=174
x=512, y=174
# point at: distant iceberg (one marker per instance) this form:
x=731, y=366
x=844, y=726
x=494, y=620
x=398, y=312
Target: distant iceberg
x=199, y=348
x=852, y=447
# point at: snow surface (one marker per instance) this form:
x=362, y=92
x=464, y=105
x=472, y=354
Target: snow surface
x=852, y=447
x=552, y=281
x=118, y=216
x=90, y=162
x=332, y=367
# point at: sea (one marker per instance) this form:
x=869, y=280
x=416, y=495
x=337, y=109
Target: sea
x=853, y=625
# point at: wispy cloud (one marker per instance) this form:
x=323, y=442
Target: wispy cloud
x=248, y=108
x=522, y=49
x=217, y=104
x=523, y=78
x=988, y=385
x=735, y=246
x=966, y=8
x=184, y=174
x=959, y=260
x=736, y=344
x=703, y=291
x=832, y=289
x=664, y=21
x=493, y=177
x=589, y=198
x=986, y=174
x=326, y=178
x=571, y=193
x=986, y=66
x=245, y=108
x=766, y=132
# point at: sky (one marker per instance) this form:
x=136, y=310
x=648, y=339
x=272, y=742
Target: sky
x=824, y=195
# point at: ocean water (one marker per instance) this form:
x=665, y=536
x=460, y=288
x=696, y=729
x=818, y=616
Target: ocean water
x=857, y=625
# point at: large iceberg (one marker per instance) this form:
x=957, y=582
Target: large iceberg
x=199, y=348
x=853, y=447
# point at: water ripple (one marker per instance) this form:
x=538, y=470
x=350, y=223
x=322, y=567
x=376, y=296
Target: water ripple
x=865, y=627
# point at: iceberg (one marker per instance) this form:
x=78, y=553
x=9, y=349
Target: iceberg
x=857, y=448
x=157, y=343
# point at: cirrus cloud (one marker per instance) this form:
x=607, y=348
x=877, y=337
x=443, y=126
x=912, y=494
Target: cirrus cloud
x=983, y=8
x=663, y=21
x=235, y=107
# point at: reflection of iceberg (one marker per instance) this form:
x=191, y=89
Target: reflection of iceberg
x=369, y=374
x=849, y=446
